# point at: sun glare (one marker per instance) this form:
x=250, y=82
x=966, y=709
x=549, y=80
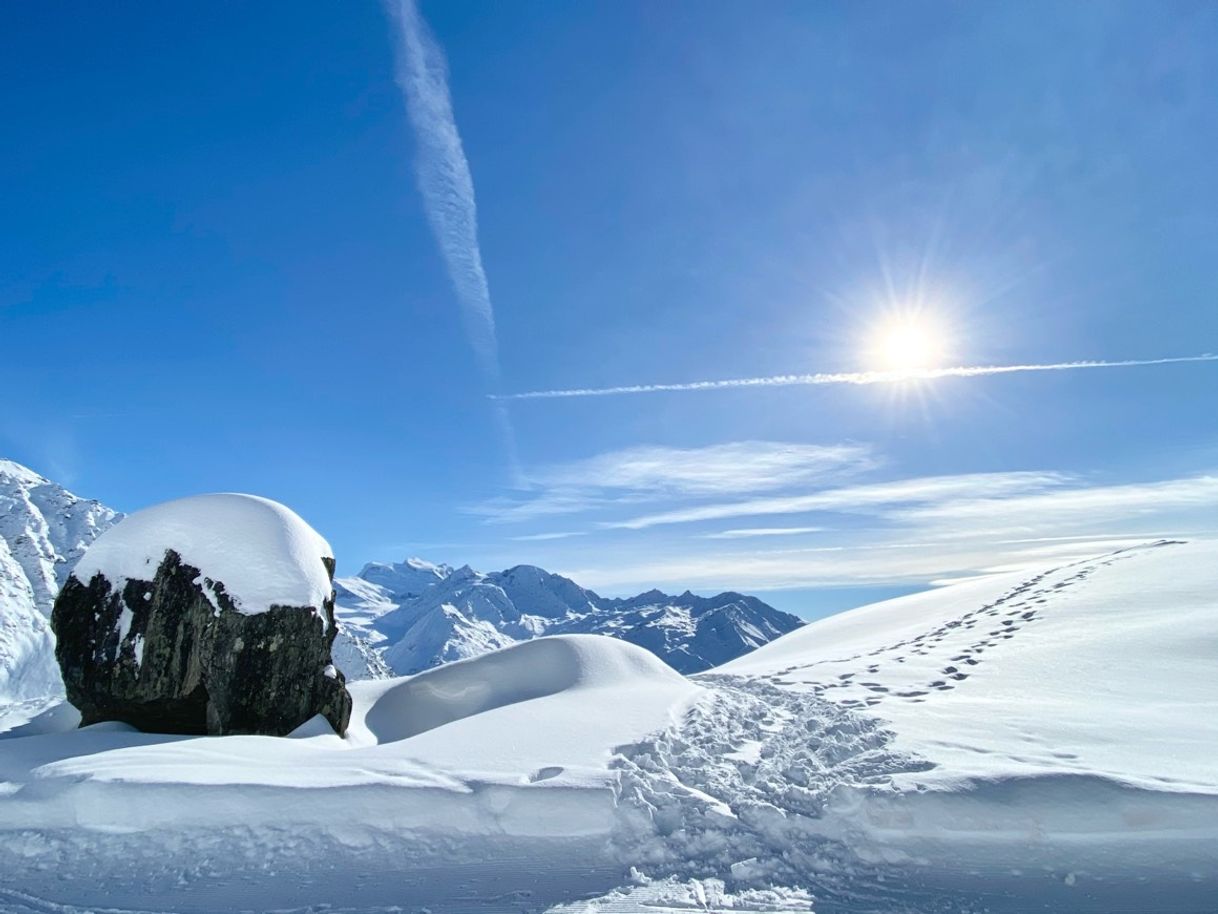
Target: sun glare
x=908, y=343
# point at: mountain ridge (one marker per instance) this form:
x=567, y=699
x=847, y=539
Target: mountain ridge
x=394, y=617
x=468, y=612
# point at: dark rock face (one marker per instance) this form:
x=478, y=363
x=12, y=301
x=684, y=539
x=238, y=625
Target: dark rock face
x=161, y=657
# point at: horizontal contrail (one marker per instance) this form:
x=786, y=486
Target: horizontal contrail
x=847, y=377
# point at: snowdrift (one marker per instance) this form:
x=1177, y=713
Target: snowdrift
x=470, y=768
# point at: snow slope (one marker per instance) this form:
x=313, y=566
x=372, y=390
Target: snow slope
x=47, y=528
x=1119, y=654
x=1034, y=741
x=44, y=529
x=28, y=669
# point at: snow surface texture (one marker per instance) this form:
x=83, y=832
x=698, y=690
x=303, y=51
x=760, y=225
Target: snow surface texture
x=44, y=529
x=455, y=783
x=842, y=768
x=416, y=615
x=261, y=551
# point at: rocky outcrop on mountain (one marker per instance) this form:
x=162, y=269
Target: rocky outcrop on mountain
x=44, y=529
x=47, y=528
x=211, y=615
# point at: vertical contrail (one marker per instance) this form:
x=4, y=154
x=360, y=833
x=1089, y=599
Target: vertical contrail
x=447, y=188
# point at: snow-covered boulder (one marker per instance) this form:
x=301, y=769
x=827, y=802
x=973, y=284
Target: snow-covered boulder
x=212, y=614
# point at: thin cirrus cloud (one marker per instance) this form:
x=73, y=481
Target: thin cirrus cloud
x=944, y=541
x=542, y=537
x=447, y=188
x=751, y=532
x=848, y=377
x=863, y=499
x=644, y=474
x=444, y=178
x=1107, y=503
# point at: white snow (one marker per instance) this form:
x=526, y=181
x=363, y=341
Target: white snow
x=261, y=551
x=1065, y=764
x=462, y=769
x=1103, y=667
x=47, y=528
x=27, y=646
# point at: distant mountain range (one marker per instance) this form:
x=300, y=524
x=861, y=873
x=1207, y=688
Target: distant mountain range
x=415, y=615
x=395, y=617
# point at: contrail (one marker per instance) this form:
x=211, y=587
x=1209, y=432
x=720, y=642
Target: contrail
x=848, y=377
x=447, y=187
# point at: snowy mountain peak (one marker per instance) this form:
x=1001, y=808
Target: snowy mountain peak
x=468, y=613
x=47, y=528
x=10, y=470
x=407, y=578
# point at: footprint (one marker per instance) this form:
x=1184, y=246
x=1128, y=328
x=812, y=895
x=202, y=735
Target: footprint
x=544, y=774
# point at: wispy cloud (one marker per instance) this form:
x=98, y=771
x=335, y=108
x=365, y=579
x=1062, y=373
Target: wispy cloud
x=1104, y=504
x=849, y=377
x=541, y=537
x=749, y=532
x=644, y=474
x=444, y=176
x=447, y=188
x=933, y=531
x=860, y=499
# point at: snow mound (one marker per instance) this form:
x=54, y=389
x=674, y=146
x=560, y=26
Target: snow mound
x=263, y=552
x=523, y=672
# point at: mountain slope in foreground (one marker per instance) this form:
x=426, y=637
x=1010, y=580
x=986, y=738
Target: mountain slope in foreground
x=44, y=530
x=1027, y=742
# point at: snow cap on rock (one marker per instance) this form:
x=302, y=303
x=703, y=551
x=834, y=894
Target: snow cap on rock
x=263, y=552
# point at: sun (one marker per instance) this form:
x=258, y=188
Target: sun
x=907, y=343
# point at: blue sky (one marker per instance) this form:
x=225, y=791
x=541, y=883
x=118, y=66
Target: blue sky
x=229, y=264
